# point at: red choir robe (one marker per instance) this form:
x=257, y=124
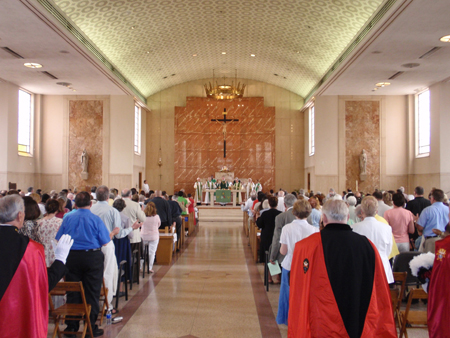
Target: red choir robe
x=191, y=209
x=438, y=292
x=338, y=287
x=23, y=287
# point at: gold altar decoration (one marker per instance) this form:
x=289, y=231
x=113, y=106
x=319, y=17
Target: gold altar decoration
x=225, y=91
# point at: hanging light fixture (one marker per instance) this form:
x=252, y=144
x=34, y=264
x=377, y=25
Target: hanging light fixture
x=225, y=91
x=159, y=157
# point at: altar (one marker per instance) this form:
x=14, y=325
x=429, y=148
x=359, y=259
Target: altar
x=223, y=195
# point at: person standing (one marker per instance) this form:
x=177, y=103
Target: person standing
x=378, y=232
x=198, y=186
x=401, y=222
x=111, y=218
x=85, y=261
x=146, y=187
x=150, y=232
x=266, y=222
x=25, y=280
x=338, y=286
x=433, y=217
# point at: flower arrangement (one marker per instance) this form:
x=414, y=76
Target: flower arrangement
x=224, y=169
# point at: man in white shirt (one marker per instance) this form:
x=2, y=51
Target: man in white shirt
x=382, y=207
x=281, y=220
x=134, y=212
x=146, y=187
x=380, y=234
x=111, y=219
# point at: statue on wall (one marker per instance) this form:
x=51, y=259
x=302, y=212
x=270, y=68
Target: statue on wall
x=363, y=162
x=84, y=164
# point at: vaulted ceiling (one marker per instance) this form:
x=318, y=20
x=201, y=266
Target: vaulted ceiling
x=153, y=43
x=144, y=46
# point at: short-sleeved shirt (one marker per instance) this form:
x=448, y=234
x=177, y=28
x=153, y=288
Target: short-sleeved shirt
x=184, y=202
x=293, y=233
x=400, y=221
x=86, y=229
x=433, y=217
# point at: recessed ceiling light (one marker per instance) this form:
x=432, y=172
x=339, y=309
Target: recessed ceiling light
x=148, y=52
x=298, y=52
x=64, y=84
x=133, y=27
x=32, y=65
x=223, y=53
x=64, y=52
x=275, y=74
x=376, y=52
x=445, y=38
x=382, y=84
x=252, y=55
x=411, y=65
x=194, y=54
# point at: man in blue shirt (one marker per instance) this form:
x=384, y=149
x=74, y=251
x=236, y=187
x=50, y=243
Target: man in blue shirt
x=85, y=260
x=433, y=217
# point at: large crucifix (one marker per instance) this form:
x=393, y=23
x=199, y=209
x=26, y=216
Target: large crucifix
x=224, y=130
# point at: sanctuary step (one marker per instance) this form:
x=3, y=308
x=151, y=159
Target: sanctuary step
x=220, y=214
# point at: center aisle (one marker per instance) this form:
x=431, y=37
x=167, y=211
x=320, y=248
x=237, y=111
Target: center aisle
x=206, y=293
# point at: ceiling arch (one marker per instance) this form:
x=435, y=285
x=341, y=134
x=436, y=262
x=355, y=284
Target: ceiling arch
x=158, y=44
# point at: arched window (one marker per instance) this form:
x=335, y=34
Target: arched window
x=25, y=123
x=423, y=124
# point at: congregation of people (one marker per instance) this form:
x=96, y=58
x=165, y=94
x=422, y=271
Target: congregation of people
x=334, y=251
x=355, y=231
x=97, y=230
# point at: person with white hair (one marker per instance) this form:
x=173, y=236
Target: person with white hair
x=198, y=186
x=25, y=280
x=378, y=232
x=337, y=283
x=351, y=200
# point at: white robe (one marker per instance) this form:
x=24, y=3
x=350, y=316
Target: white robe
x=250, y=186
x=258, y=187
x=198, y=192
x=380, y=235
x=208, y=185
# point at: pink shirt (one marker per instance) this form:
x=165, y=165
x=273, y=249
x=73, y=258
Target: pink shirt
x=150, y=228
x=401, y=222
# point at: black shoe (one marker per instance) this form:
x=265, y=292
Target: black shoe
x=96, y=331
x=122, y=294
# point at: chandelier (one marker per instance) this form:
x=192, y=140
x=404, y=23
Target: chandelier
x=225, y=91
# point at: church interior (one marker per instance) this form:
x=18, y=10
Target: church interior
x=127, y=81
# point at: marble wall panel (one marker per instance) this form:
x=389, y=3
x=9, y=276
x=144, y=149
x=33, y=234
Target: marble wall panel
x=85, y=132
x=362, y=131
x=199, y=141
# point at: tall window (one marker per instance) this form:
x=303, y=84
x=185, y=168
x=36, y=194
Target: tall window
x=25, y=125
x=137, y=130
x=423, y=128
x=312, y=147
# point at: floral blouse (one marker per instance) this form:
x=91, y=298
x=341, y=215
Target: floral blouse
x=47, y=229
x=29, y=229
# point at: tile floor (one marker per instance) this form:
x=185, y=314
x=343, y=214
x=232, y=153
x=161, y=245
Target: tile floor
x=213, y=289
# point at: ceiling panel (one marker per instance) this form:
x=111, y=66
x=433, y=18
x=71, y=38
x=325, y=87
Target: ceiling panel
x=152, y=43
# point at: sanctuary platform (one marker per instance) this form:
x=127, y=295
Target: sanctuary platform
x=220, y=214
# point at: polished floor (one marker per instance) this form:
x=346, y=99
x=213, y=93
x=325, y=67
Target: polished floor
x=212, y=289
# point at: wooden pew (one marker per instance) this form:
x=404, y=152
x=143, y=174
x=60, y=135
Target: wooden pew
x=245, y=224
x=257, y=243
x=191, y=221
x=165, y=249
